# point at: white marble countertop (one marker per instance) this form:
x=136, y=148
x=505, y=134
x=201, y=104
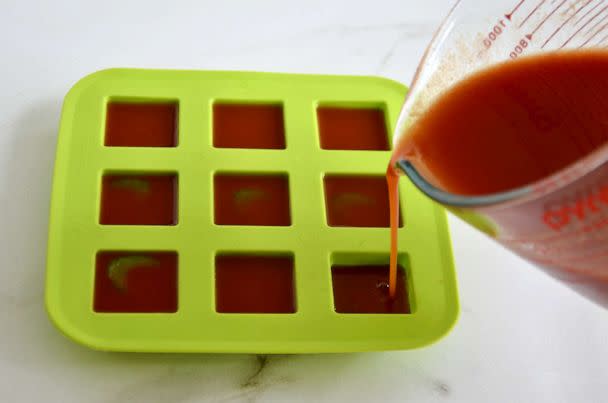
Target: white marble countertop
x=521, y=337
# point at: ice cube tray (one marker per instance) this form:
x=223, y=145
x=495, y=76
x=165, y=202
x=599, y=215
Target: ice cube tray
x=170, y=187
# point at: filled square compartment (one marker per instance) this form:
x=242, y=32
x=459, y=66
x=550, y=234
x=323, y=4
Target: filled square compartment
x=138, y=199
x=150, y=124
x=135, y=282
x=251, y=200
x=357, y=201
x=254, y=284
x=248, y=126
x=352, y=128
x=364, y=289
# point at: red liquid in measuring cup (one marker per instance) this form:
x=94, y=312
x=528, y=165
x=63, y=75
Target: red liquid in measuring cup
x=512, y=124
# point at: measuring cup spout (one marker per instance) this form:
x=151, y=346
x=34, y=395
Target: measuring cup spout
x=452, y=200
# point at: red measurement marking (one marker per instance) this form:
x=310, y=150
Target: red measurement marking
x=531, y=13
x=583, y=26
x=564, y=23
x=509, y=15
x=546, y=18
x=594, y=35
x=556, y=219
x=588, y=12
x=496, y=31
x=596, y=25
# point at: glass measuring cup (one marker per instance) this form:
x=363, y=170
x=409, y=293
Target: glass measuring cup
x=561, y=221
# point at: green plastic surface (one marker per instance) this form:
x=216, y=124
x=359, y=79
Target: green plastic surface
x=75, y=235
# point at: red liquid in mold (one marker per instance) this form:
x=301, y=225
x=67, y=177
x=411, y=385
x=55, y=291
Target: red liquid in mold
x=352, y=129
x=356, y=201
x=141, y=124
x=139, y=200
x=511, y=125
x=135, y=282
x=251, y=200
x=254, y=284
x=248, y=126
x=364, y=289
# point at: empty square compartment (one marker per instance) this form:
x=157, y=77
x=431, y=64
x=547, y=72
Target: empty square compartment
x=360, y=284
x=141, y=124
x=342, y=128
x=357, y=201
x=135, y=282
x=138, y=199
x=248, y=126
x=241, y=199
x=254, y=284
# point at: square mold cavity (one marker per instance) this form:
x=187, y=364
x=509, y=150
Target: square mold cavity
x=357, y=201
x=141, y=124
x=135, y=282
x=360, y=285
x=128, y=199
x=241, y=199
x=254, y=284
x=342, y=128
x=248, y=126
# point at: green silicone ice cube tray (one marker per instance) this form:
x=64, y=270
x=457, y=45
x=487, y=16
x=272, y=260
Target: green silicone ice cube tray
x=80, y=238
